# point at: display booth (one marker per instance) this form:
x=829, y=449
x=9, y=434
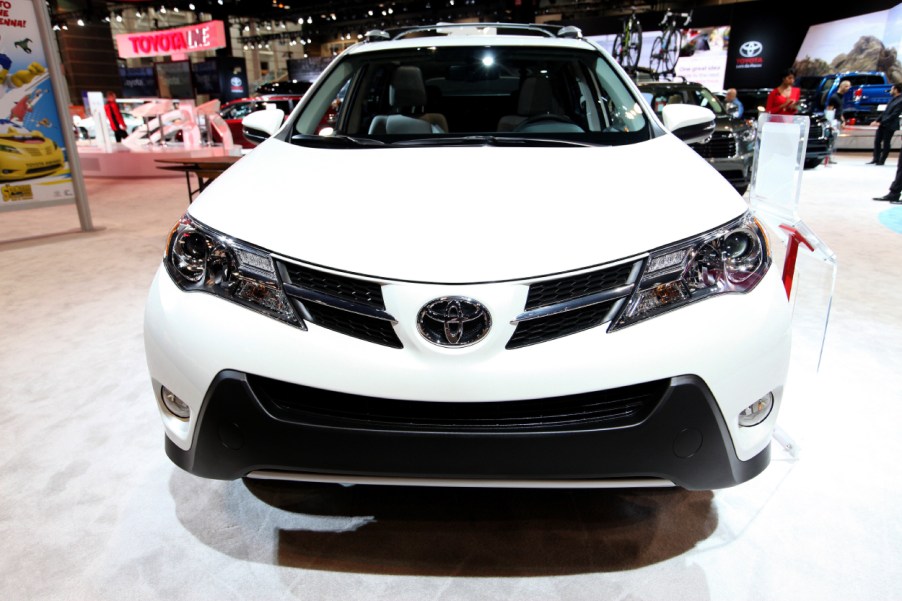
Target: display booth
x=168, y=128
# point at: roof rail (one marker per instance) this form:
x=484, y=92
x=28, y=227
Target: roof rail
x=549, y=31
x=375, y=35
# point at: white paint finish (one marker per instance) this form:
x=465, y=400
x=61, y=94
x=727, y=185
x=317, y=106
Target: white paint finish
x=738, y=344
x=467, y=214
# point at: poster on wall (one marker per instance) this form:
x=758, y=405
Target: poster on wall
x=870, y=42
x=33, y=154
x=702, y=56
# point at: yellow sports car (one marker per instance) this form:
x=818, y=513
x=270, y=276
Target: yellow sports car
x=26, y=155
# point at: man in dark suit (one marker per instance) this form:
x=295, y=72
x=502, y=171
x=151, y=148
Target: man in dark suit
x=887, y=125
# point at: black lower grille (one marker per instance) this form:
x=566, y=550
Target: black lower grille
x=353, y=324
x=720, y=146
x=815, y=131
x=558, y=325
x=615, y=408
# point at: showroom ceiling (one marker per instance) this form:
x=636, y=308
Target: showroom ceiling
x=376, y=13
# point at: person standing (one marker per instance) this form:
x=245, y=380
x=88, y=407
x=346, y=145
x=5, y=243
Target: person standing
x=780, y=101
x=114, y=116
x=731, y=101
x=887, y=124
x=837, y=121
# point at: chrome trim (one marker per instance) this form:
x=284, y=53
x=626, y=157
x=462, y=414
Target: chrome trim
x=461, y=482
x=576, y=303
x=311, y=296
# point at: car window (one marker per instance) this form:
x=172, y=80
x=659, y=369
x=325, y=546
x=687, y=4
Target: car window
x=237, y=111
x=472, y=90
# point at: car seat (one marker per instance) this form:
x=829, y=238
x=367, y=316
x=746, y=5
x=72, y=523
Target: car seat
x=407, y=97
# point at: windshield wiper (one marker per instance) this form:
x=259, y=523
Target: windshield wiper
x=487, y=141
x=336, y=141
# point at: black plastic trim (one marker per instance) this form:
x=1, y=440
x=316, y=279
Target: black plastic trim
x=684, y=440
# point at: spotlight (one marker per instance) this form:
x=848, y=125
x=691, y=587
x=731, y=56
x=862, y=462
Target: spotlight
x=118, y=17
x=190, y=6
x=80, y=22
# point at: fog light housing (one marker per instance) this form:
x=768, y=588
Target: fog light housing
x=757, y=412
x=174, y=405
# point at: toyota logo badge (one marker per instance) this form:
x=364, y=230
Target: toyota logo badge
x=454, y=321
x=751, y=49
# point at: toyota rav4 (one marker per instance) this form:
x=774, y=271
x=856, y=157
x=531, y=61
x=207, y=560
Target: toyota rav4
x=472, y=255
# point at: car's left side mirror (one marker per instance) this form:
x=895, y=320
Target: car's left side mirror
x=688, y=122
x=260, y=125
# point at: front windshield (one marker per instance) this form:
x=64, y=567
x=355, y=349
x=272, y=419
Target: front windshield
x=658, y=98
x=463, y=91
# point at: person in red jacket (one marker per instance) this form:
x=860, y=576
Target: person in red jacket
x=784, y=99
x=114, y=116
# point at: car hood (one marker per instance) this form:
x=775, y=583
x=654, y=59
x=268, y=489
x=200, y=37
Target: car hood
x=467, y=214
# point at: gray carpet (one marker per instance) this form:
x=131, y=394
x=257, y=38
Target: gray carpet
x=91, y=508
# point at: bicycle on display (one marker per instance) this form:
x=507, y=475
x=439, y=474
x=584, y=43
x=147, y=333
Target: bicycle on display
x=665, y=51
x=628, y=43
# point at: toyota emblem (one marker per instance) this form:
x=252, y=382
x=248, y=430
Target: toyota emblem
x=454, y=321
x=751, y=49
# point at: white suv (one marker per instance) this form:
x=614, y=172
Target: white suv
x=474, y=256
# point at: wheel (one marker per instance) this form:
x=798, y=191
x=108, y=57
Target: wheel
x=617, y=49
x=671, y=50
x=656, y=61
x=633, y=47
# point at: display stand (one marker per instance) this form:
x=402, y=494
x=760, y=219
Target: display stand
x=809, y=265
x=42, y=65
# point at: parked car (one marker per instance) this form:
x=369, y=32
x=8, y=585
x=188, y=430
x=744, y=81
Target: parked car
x=26, y=154
x=820, y=131
x=281, y=88
x=234, y=111
x=87, y=129
x=731, y=148
x=503, y=269
x=862, y=103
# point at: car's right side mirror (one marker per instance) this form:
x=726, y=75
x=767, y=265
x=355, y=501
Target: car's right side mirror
x=260, y=125
x=689, y=122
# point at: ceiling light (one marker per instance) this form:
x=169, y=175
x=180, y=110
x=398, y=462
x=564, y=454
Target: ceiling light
x=162, y=10
x=191, y=6
x=80, y=22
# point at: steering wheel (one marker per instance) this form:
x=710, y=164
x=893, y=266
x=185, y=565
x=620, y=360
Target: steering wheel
x=547, y=118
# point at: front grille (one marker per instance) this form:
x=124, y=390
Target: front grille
x=367, y=328
x=815, y=131
x=567, y=305
x=358, y=291
x=46, y=169
x=340, y=303
x=35, y=152
x=542, y=294
x=722, y=145
x=615, y=408
x=558, y=325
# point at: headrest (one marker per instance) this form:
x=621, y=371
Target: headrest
x=535, y=96
x=407, y=88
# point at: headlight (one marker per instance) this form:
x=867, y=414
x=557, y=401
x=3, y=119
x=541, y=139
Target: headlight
x=732, y=258
x=748, y=135
x=13, y=149
x=203, y=260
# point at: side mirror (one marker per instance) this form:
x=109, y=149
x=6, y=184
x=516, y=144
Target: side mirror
x=688, y=122
x=260, y=125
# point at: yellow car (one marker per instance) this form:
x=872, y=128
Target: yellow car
x=25, y=155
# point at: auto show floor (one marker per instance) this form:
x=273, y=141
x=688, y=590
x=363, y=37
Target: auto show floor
x=92, y=509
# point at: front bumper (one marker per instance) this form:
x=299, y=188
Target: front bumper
x=244, y=429
x=734, y=348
